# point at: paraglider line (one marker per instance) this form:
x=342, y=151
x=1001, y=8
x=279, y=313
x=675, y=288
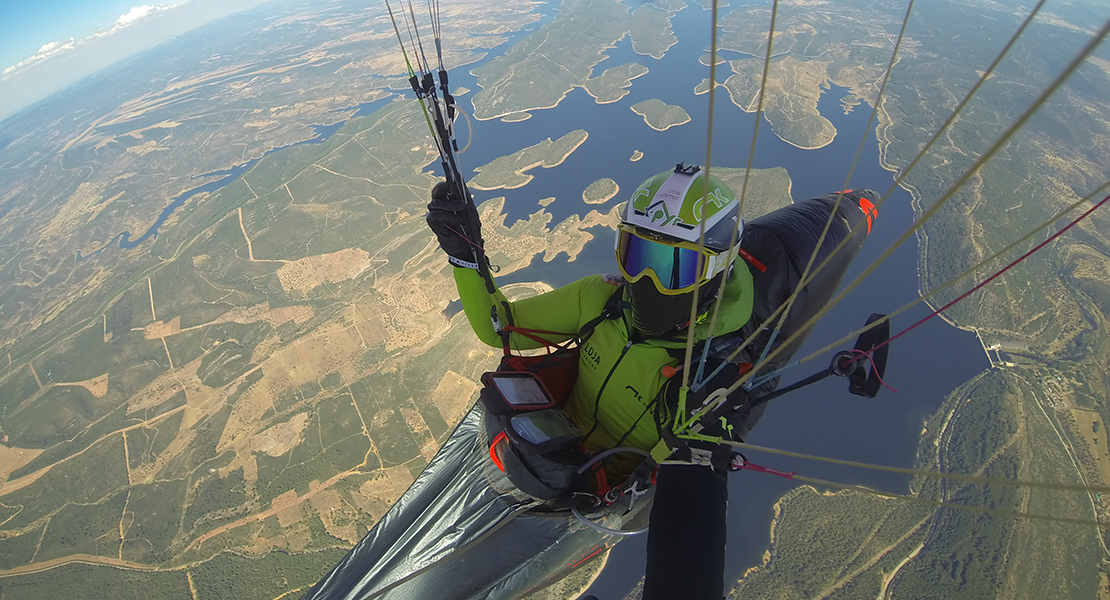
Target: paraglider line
x=1088, y=198
x=1067, y=487
x=743, y=189
x=1076, y=62
x=936, y=136
x=757, y=381
x=995, y=276
x=874, y=369
x=1036, y=105
x=804, y=279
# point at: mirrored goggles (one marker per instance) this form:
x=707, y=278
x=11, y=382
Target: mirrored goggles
x=675, y=267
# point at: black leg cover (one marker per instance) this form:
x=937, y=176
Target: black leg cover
x=686, y=541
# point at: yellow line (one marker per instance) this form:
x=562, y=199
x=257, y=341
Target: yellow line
x=126, y=461
x=250, y=249
x=150, y=287
x=167, y=353
x=37, y=380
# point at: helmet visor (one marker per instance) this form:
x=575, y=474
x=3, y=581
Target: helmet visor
x=675, y=269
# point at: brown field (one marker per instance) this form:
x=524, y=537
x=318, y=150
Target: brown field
x=452, y=396
x=378, y=494
x=280, y=438
x=331, y=507
x=97, y=386
x=307, y=273
x=14, y=458
x=288, y=507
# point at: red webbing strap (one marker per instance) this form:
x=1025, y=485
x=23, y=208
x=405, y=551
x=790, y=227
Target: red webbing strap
x=602, y=481
x=753, y=261
x=534, y=335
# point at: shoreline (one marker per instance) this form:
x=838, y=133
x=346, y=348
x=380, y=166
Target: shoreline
x=800, y=147
x=522, y=171
x=478, y=81
x=886, y=122
x=624, y=88
x=751, y=109
x=603, y=199
x=649, y=124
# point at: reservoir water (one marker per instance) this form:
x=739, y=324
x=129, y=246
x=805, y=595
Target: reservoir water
x=823, y=419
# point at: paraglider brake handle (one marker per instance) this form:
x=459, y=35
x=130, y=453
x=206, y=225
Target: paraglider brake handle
x=871, y=350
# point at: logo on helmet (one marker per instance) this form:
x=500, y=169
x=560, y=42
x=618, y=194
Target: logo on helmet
x=674, y=203
x=658, y=212
x=717, y=198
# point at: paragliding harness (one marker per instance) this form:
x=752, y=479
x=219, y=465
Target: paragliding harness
x=536, y=444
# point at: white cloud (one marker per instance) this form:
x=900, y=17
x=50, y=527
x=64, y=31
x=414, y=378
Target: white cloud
x=60, y=64
x=45, y=52
x=133, y=15
x=51, y=49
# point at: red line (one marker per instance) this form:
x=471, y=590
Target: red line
x=995, y=276
x=591, y=555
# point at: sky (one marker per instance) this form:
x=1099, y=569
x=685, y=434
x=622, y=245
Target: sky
x=47, y=45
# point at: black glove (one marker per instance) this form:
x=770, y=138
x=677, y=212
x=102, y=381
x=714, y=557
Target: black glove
x=456, y=225
x=726, y=420
x=728, y=423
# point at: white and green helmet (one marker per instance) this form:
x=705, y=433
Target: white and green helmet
x=659, y=230
x=674, y=203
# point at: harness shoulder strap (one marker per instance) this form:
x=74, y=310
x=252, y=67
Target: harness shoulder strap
x=614, y=306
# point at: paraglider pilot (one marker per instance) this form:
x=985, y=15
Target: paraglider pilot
x=626, y=390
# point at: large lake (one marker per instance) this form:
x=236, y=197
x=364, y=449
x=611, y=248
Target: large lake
x=823, y=419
